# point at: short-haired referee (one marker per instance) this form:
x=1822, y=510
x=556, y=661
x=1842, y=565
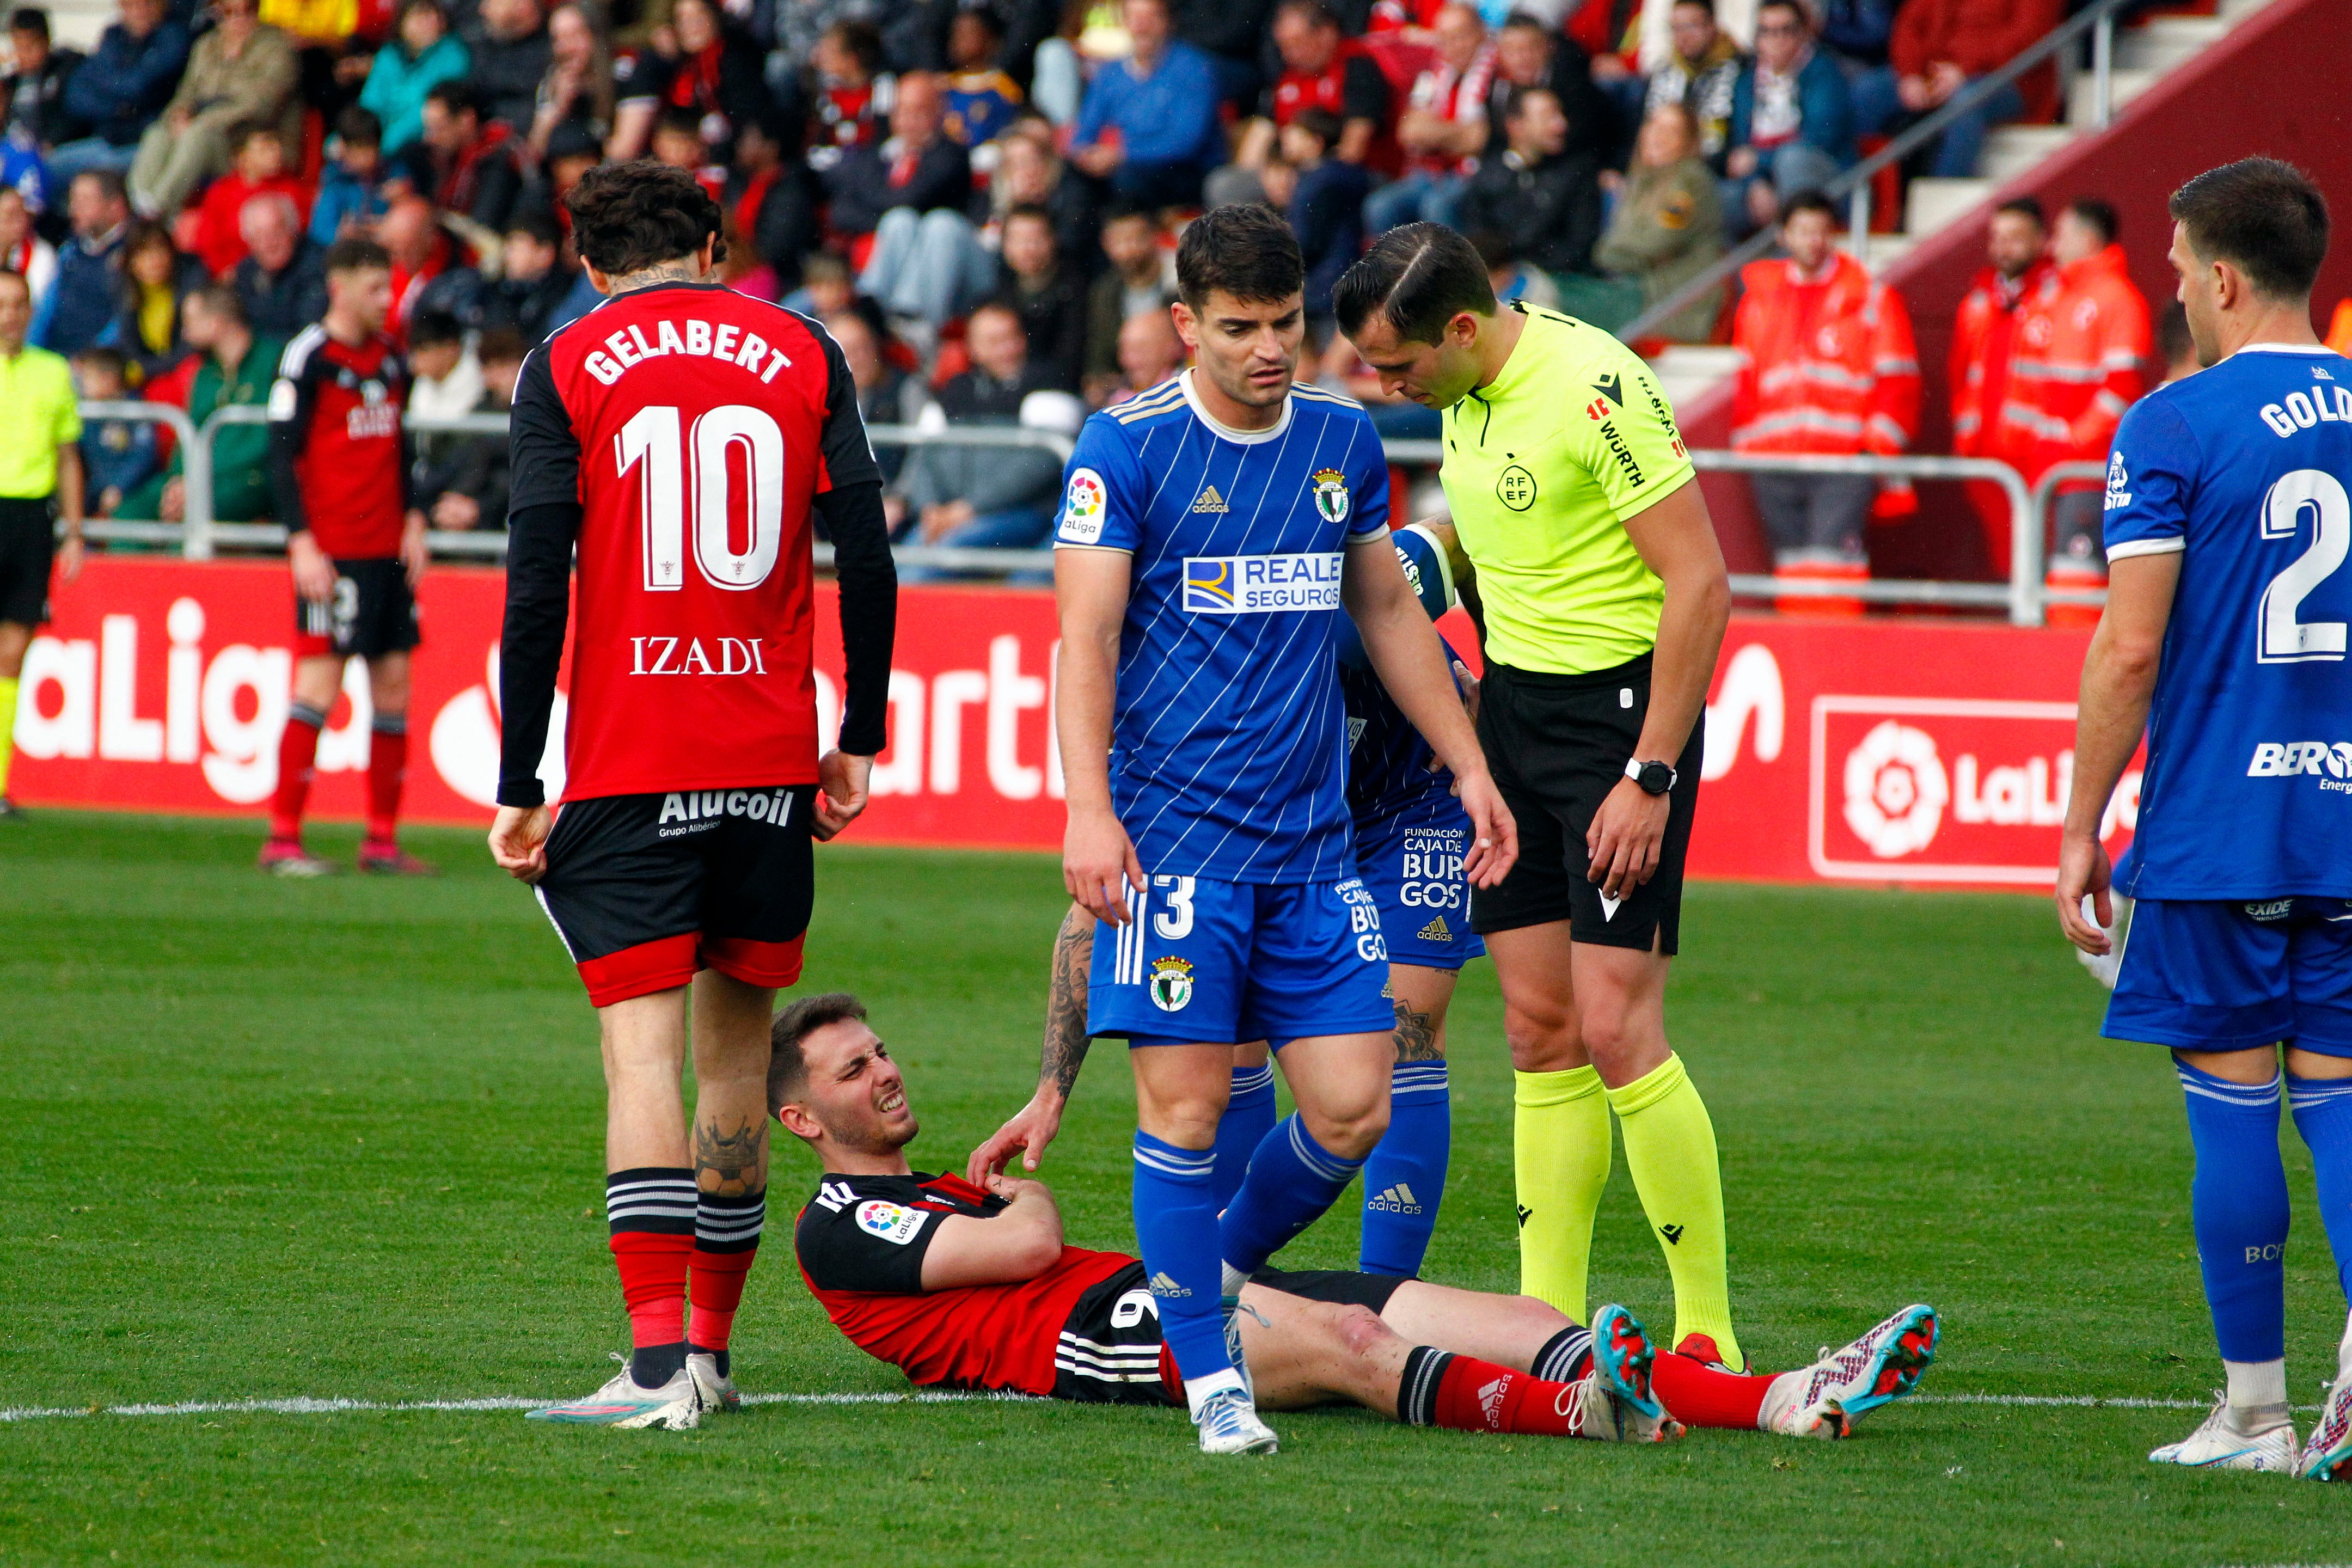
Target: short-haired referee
x=39, y=463
x=1605, y=599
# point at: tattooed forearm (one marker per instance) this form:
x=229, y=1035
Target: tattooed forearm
x=1066, y=1007
x=731, y=1163
x=1416, y=1036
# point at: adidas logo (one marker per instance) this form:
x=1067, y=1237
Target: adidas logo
x=1673, y=1232
x=1434, y=931
x=1210, y=500
x=1397, y=1199
x=1162, y=1284
x=1490, y=1402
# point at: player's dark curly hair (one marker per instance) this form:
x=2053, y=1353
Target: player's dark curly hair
x=787, y=1069
x=2263, y=215
x=1419, y=276
x=630, y=217
x=1247, y=251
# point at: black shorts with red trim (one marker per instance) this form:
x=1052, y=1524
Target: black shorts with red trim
x=647, y=889
x=371, y=612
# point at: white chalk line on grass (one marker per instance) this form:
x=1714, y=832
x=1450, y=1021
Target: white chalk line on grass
x=301, y=1406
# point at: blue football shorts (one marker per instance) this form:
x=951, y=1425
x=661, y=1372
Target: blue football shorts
x=1217, y=963
x=2205, y=976
x=1411, y=865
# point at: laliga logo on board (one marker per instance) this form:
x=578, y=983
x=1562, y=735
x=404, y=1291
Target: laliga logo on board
x=465, y=740
x=1896, y=790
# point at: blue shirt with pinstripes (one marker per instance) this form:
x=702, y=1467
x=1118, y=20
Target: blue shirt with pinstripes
x=1228, y=736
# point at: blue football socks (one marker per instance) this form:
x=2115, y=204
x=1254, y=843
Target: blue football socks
x=1405, y=1176
x=2237, y=1199
x=1292, y=1179
x=2322, y=1114
x=1249, y=1117
x=1176, y=1226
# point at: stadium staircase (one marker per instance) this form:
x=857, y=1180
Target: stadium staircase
x=2144, y=55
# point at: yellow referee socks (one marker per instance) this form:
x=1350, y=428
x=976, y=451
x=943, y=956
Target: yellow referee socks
x=1560, y=1150
x=8, y=730
x=1670, y=1149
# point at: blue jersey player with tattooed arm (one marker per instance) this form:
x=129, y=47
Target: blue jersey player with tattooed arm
x=2229, y=510
x=1210, y=533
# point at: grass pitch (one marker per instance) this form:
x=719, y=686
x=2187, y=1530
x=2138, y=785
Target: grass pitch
x=269, y=1140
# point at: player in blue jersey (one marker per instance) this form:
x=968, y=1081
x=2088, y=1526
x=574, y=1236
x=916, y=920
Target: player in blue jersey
x=1412, y=839
x=1212, y=532
x=2228, y=521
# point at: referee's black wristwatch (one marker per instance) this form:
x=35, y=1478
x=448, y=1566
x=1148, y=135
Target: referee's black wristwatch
x=1656, y=778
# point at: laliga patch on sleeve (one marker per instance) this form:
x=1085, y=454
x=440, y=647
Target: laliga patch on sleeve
x=1083, y=507
x=282, y=398
x=892, y=1222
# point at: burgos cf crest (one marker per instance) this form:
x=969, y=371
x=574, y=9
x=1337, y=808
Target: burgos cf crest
x=1331, y=494
x=1171, y=984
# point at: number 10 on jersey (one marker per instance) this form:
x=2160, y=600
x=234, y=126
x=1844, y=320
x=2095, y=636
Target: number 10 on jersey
x=658, y=444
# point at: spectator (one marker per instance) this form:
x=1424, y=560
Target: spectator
x=1529, y=54
x=1150, y=352
x=1827, y=365
x=1545, y=200
x=1701, y=75
x=509, y=52
x=236, y=371
x=1508, y=275
x=571, y=152
x=258, y=168
x=448, y=377
x=853, y=94
x=420, y=57
x=533, y=283
x=120, y=90
x=886, y=394
x=281, y=284
x=1030, y=172
x=1858, y=31
x=1445, y=125
x=770, y=211
x=22, y=251
x=1047, y=298
x=352, y=186
x=1792, y=119
x=1667, y=227
x=715, y=77
x=1984, y=344
x=1938, y=47
x=578, y=89
x=1135, y=283
x=35, y=89
x=2081, y=345
x=1148, y=125
x=909, y=192
x=117, y=455
x=428, y=269
x=78, y=309
x=1322, y=67
x=469, y=159
x=1326, y=209
x=467, y=489
x=1234, y=35
x=677, y=141
x=981, y=99
x=240, y=74
x=990, y=498
x=145, y=330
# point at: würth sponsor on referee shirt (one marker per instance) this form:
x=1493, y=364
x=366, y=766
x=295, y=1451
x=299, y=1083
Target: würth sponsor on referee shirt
x=695, y=425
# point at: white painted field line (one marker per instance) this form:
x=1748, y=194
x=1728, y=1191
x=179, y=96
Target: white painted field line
x=302, y=1406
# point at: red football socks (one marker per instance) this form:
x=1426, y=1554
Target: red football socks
x=387, y=770
x=653, y=1284
x=1472, y=1396
x=726, y=1228
x=1699, y=1395
x=652, y=1215
x=298, y=757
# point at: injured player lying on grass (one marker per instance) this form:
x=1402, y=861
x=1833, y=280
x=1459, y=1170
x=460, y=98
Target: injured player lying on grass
x=962, y=1287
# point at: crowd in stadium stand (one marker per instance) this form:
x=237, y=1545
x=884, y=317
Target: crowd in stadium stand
x=980, y=197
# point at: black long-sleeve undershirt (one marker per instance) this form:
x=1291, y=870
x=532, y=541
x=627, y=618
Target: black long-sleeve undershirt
x=530, y=645
x=869, y=611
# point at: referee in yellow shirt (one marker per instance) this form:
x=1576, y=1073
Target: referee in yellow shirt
x=1604, y=601
x=39, y=463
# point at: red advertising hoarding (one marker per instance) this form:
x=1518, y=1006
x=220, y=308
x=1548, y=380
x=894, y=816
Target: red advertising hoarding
x=1878, y=750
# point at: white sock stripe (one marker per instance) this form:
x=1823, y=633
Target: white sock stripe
x=1101, y=1351
x=1096, y=1376
x=1247, y=1080
x=2248, y=1096
x=1153, y=1159
x=680, y=1187
x=1317, y=1159
x=673, y=1207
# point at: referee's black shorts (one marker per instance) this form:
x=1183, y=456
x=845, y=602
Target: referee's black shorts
x=1557, y=744
x=28, y=551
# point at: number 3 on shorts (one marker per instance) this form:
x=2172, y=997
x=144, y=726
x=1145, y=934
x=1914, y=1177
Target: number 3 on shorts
x=1175, y=922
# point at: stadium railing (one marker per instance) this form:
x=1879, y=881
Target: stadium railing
x=2024, y=596
x=2098, y=20
x=2044, y=493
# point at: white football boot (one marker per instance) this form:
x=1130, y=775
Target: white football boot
x=2219, y=1444
x=621, y=1403
x=1229, y=1425
x=1614, y=1401
x=1825, y=1399
x=2328, y=1455
x=716, y=1388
